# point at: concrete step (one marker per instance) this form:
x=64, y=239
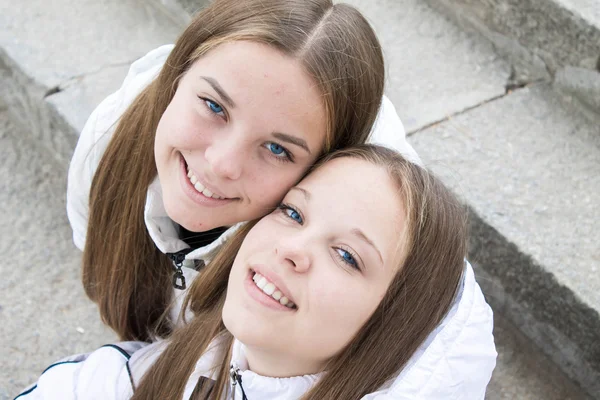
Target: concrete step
x=528, y=167
x=556, y=39
x=44, y=312
x=524, y=372
x=59, y=60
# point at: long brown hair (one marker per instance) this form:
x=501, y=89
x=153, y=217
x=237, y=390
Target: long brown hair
x=123, y=271
x=434, y=247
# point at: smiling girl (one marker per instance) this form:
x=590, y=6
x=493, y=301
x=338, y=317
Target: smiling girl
x=330, y=296
x=213, y=132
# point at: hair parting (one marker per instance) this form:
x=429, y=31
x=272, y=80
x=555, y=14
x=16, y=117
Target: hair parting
x=131, y=281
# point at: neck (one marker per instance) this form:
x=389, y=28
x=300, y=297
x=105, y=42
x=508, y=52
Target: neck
x=276, y=365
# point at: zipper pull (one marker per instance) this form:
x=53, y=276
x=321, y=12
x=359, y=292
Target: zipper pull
x=178, y=278
x=233, y=372
x=236, y=378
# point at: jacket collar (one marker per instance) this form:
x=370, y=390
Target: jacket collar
x=263, y=387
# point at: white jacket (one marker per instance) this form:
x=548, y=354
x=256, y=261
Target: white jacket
x=455, y=362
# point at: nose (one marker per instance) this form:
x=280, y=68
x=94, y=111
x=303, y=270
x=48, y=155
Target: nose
x=225, y=158
x=295, y=254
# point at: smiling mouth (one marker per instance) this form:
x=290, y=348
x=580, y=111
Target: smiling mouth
x=271, y=290
x=200, y=188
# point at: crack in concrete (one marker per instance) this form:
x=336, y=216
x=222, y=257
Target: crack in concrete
x=512, y=86
x=509, y=90
x=52, y=91
x=76, y=78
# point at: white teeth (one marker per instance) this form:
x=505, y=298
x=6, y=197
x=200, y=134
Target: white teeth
x=271, y=290
x=262, y=282
x=200, y=187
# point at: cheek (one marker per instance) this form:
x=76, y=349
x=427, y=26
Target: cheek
x=182, y=127
x=262, y=238
x=343, y=307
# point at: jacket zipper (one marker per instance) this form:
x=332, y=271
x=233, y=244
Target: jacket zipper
x=178, y=259
x=236, y=378
x=178, y=278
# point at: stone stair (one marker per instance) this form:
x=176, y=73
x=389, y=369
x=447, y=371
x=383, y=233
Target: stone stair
x=516, y=139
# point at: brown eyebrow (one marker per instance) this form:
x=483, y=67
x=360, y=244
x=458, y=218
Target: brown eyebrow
x=220, y=91
x=293, y=140
x=357, y=232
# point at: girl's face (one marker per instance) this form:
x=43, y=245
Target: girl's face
x=244, y=125
x=331, y=250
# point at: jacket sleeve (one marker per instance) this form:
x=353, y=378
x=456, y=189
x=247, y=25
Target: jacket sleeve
x=102, y=374
x=388, y=131
x=97, y=133
x=88, y=152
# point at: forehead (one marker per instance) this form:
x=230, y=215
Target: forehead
x=264, y=82
x=350, y=193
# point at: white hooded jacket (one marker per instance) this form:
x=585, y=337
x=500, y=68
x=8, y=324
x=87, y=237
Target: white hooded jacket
x=455, y=362
x=457, y=359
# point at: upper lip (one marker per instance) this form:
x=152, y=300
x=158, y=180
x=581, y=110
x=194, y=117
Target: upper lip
x=274, y=279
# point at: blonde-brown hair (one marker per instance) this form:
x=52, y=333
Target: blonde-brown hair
x=123, y=271
x=434, y=248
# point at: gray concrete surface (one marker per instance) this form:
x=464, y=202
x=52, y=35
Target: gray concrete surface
x=528, y=166
x=74, y=51
x=558, y=32
x=44, y=313
x=434, y=69
x=540, y=38
x=581, y=83
x=523, y=372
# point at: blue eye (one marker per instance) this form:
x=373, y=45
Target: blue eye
x=275, y=148
x=291, y=213
x=347, y=257
x=278, y=151
x=214, y=107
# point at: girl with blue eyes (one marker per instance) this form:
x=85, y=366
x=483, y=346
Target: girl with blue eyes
x=330, y=296
x=210, y=133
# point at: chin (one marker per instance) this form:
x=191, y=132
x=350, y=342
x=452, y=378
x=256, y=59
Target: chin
x=183, y=217
x=244, y=326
